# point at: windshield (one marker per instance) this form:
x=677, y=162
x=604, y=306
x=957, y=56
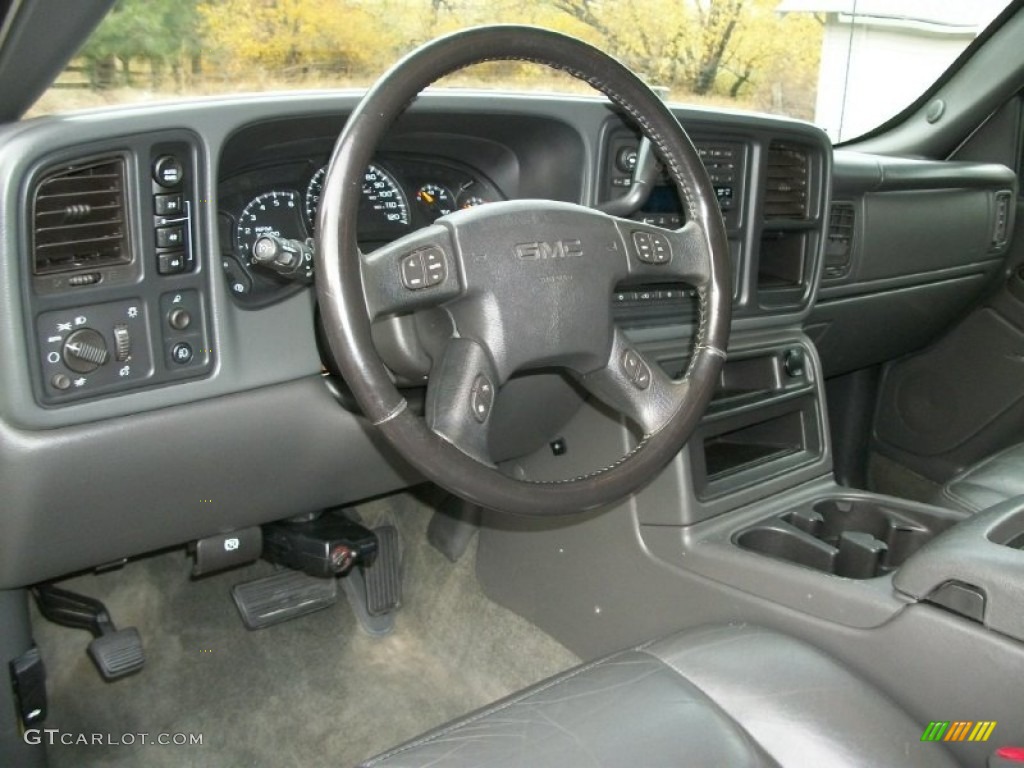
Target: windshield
x=847, y=65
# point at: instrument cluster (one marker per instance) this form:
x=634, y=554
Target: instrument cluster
x=400, y=193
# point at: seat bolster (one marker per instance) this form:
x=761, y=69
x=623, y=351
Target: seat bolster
x=800, y=705
x=626, y=710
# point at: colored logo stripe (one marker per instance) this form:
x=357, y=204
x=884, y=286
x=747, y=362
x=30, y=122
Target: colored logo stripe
x=958, y=730
x=982, y=730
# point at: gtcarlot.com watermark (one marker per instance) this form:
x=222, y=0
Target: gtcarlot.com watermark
x=54, y=736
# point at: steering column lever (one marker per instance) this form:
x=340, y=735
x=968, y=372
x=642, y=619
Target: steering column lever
x=645, y=174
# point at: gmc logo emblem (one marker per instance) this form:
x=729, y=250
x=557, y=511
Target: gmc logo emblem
x=558, y=249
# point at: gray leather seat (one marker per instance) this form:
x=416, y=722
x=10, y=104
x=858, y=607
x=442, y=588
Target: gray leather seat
x=992, y=480
x=718, y=696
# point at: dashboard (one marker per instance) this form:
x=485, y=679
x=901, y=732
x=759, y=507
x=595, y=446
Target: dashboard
x=151, y=361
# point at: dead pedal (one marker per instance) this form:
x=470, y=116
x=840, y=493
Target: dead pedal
x=281, y=596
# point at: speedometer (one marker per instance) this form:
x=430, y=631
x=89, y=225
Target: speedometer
x=382, y=209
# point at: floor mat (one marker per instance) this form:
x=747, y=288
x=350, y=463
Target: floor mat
x=312, y=691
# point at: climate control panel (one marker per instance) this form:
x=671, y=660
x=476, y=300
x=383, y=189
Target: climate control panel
x=143, y=322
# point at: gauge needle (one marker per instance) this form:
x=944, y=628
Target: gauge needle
x=426, y=197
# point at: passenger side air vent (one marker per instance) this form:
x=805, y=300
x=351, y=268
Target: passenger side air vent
x=840, y=240
x=79, y=218
x=786, y=187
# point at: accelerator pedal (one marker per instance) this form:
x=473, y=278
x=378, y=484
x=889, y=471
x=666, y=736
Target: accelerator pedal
x=375, y=590
x=281, y=596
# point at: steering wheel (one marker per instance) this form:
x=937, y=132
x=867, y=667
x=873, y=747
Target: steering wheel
x=522, y=284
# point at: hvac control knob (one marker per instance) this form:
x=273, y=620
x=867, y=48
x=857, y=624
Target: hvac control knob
x=85, y=350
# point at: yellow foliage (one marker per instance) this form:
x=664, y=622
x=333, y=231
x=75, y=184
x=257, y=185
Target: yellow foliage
x=294, y=36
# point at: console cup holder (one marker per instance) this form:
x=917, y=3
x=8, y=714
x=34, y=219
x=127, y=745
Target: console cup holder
x=853, y=538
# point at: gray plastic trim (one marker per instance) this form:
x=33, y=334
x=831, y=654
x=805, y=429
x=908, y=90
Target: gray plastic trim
x=276, y=344
x=708, y=549
x=91, y=494
x=985, y=552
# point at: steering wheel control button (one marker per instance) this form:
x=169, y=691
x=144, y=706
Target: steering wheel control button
x=181, y=353
x=481, y=398
x=167, y=171
x=433, y=265
x=643, y=376
x=636, y=370
x=630, y=364
x=179, y=319
x=413, y=274
x=424, y=268
x=85, y=350
x=652, y=248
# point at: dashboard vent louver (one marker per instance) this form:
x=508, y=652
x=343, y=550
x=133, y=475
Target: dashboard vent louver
x=840, y=239
x=79, y=218
x=786, y=186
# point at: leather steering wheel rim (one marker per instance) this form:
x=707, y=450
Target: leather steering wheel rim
x=350, y=284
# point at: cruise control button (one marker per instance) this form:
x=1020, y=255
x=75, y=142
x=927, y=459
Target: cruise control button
x=660, y=248
x=481, y=398
x=181, y=353
x=433, y=265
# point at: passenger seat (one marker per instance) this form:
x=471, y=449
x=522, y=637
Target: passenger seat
x=994, y=479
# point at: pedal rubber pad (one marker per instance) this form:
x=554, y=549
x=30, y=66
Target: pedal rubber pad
x=282, y=596
x=384, y=578
x=117, y=654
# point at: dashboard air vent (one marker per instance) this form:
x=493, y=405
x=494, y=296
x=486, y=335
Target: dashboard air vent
x=840, y=239
x=79, y=218
x=786, y=187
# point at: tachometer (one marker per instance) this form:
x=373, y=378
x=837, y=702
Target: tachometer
x=272, y=213
x=382, y=209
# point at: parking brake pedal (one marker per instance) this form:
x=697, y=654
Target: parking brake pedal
x=115, y=652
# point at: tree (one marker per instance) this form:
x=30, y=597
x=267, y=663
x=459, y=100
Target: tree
x=294, y=37
x=160, y=32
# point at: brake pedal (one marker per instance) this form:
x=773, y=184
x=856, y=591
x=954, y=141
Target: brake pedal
x=115, y=652
x=281, y=596
x=375, y=591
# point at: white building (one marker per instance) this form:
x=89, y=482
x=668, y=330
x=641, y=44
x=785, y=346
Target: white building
x=878, y=56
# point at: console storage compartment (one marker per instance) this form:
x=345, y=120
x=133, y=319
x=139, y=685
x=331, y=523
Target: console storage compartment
x=851, y=537
x=981, y=562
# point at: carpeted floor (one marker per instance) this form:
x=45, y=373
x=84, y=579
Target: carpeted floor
x=313, y=691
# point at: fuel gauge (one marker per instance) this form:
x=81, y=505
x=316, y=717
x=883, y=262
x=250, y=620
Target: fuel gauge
x=436, y=200
x=471, y=201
